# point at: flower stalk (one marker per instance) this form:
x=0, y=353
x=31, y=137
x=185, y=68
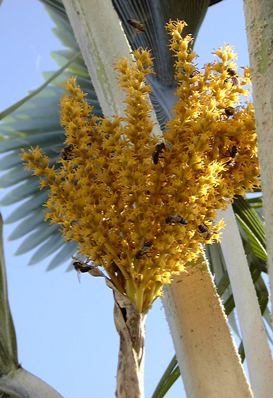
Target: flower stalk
x=130, y=325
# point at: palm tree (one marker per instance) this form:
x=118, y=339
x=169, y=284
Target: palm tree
x=163, y=66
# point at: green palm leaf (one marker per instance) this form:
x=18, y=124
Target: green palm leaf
x=252, y=226
x=168, y=379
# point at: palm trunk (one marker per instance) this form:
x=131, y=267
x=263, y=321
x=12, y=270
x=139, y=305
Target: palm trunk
x=101, y=40
x=259, y=29
x=258, y=355
x=205, y=350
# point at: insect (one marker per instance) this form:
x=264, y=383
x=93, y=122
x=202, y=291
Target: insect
x=82, y=267
x=231, y=72
x=195, y=73
x=233, y=76
x=159, y=148
x=145, y=247
x=136, y=25
x=148, y=194
x=176, y=219
x=229, y=111
x=204, y=231
x=65, y=153
x=233, y=152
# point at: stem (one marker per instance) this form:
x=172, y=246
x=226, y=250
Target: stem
x=130, y=289
x=115, y=280
x=130, y=325
x=113, y=252
x=139, y=298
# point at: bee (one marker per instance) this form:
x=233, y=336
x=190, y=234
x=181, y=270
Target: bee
x=82, y=267
x=159, y=148
x=204, y=231
x=139, y=27
x=65, y=153
x=231, y=72
x=176, y=219
x=233, y=76
x=233, y=152
x=148, y=194
x=195, y=73
x=229, y=111
x=145, y=247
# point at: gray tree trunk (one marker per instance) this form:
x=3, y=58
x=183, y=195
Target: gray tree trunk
x=259, y=28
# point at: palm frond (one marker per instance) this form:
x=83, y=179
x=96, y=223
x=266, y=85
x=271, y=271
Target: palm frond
x=252, y=226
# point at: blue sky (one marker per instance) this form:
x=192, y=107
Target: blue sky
x=65, y=330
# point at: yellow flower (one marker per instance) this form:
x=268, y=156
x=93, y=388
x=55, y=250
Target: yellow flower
x=143, y=207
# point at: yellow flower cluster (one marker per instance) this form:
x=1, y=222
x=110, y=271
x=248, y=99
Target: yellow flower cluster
x=139, y=206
